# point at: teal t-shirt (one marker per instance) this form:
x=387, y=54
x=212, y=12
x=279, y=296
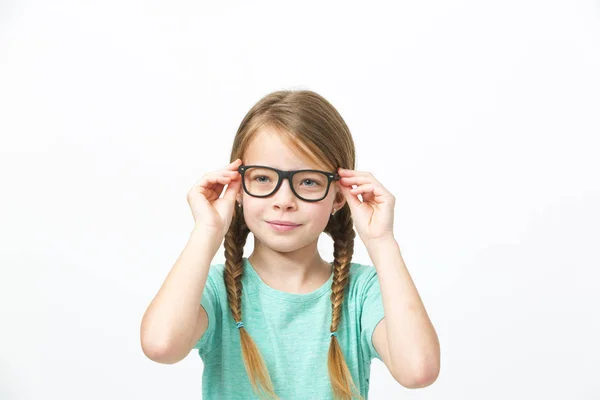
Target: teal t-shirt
x=291, y=332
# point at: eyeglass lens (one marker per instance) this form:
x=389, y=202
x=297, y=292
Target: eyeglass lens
x=308, y=185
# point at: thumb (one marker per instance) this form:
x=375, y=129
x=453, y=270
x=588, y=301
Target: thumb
x=232, y=189
x=351, y=199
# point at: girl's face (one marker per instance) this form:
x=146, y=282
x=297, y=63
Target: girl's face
x=267, y=149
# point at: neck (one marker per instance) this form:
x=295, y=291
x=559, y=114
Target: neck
x=299, y=271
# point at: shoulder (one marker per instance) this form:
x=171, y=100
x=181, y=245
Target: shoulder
x=362, y=278
x=361, y=273
x=216, y=278
x=215, y=283
x=216, y=271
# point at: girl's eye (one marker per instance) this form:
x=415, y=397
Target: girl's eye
x=261, y=176
x=310, y=180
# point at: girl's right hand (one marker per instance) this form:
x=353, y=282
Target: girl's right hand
x=210, y=211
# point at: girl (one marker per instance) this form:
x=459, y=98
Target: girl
x=260, y=323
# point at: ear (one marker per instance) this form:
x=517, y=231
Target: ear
x=339, y=199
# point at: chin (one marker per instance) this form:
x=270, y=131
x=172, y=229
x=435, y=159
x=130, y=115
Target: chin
x=279, y=244
x=283, y=242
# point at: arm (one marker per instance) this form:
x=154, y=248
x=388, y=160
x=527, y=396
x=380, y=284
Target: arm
x=175, y=320
x=405, y=338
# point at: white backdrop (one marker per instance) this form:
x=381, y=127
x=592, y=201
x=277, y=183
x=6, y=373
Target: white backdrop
x=482, y=118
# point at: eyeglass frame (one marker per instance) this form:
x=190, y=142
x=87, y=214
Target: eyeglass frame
x=281, y=175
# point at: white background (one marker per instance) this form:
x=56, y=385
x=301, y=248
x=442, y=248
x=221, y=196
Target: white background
x=482, y=118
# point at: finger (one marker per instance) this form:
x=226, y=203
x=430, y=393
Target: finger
x=234, y=165
x=214, y=177
x=209, y=193
x=221, y=174
x=369, y=192
x=365, y=176
x=208, y=176
x=351, y=199
x=369, y=187
x=230, y=174
x=351, y=172
x=210, y=182
x=232, y=190
x=368, y=197
x=355, y=180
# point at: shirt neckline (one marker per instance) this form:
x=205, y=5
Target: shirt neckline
x=294, y=297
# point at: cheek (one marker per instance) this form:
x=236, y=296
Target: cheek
x=253, y=213
x=319, y=216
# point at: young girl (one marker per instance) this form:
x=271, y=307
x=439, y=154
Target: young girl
x=284, y=323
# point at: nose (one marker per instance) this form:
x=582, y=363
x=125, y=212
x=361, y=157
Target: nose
x=284, y=198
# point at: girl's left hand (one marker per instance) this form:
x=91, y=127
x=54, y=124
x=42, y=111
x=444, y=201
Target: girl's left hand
x=374, y=216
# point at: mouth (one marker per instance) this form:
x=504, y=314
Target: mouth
x=283, y=223
x=282, y=226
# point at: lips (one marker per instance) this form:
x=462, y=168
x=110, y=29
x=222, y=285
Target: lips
x=283, y=223
x=279, y=227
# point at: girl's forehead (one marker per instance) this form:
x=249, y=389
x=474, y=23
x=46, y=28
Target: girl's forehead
x=272, y=151
x=280, y=161
x=284, y=166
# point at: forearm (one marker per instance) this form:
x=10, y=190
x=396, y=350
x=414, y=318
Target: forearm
x=412, y=341
x=170, y=319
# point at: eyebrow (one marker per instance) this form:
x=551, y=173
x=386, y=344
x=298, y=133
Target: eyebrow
x=291, y=169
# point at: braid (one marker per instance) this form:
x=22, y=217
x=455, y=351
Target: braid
x=235, y=239
x=341, y=230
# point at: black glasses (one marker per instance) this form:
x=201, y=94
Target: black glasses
x=307, y=184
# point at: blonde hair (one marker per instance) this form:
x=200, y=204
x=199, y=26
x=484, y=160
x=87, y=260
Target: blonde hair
x=313, y=127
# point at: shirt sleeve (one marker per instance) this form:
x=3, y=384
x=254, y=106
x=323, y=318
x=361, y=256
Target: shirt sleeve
x=210, y=301
x=371, y=313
